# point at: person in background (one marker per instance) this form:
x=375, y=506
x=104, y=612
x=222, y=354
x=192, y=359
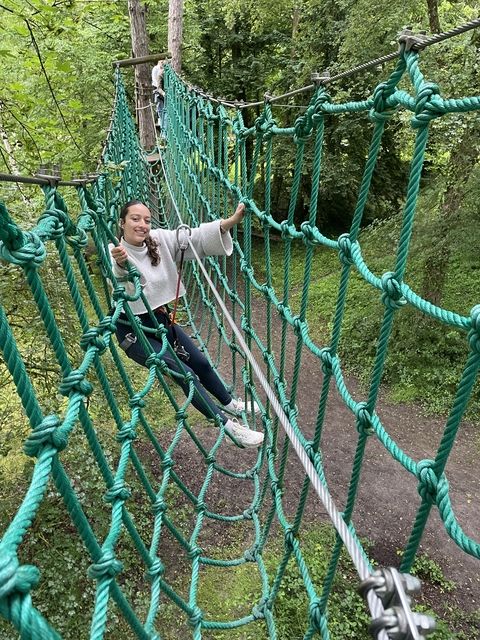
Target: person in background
x=158, y=92
x=155, y=253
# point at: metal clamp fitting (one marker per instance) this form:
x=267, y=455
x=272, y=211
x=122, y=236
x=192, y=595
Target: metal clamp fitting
x=50, y=172
x=411, y=40
x=398, y=620
x=320, y=78
x=183, y=236
x=127, y=342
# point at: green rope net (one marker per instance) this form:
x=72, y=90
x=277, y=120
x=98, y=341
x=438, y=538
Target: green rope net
x=204, y=164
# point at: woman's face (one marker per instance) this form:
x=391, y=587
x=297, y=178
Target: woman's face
x=137, y=224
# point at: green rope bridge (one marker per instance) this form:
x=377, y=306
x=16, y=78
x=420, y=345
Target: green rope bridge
x=204, y=164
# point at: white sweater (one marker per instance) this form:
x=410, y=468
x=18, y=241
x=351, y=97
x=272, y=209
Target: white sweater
x=159, y=283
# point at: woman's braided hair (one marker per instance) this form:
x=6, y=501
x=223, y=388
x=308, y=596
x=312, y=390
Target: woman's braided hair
x=152, y=247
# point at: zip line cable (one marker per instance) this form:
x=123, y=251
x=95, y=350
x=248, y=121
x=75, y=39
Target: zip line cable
x=418, y=41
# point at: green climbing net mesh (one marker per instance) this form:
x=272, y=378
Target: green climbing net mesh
x=201, y=169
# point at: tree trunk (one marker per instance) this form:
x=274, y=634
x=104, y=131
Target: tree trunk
x=143, y=84
x=433, y=18
x=175, y=31
x=295, y=24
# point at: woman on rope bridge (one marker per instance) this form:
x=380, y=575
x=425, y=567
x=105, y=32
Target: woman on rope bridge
x=155, y=253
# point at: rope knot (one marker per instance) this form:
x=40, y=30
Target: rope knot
x=427, y=107
x=196, y=617
x=181, y=414
x=156, y=569
x=288, y=230
x=200, y=507
x=316, y=615
x=303, y=128
x=250, y=555
x=310, y=451
x=154, y=359
x=163, y=366
x=345, y=249
x=107, y=324
x=264, y=127
x=392, y=293
x=298, y=326
x=195, y=552
x=427, y=480
x=75, y=382
x=92, y=338
x=211, y=117
x=118, y=293
x=282, y=310
x=118, y=491
x=239, y=129
x=246, y=268
x=474, y=333
x=45, y=433
x=327, y=360
x=16, y=578
x=276, y=488
x=259, y=611
x=127, y=432
x=210, y=459
x=133, y=273
x=291, y=412
x=57, y=220
x=364, y=419
x=322, y=98
x=80, y=239
x=136, y=401
x=88, y=220
x=380, y=110
x=30, y=253
x=309, y=233
x=159, y=506
x=271, y=452
x=289, y=538
x=107, y=567
x=167, y=463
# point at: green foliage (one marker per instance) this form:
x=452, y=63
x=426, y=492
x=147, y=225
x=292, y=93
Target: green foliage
x=424, y=365
x=57, y=90
x=348, y=616
x=427, y=569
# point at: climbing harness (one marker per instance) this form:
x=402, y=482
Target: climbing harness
x=183, y=232
x=127, y=342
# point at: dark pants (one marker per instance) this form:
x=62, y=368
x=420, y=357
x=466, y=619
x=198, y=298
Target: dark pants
x=204, y=376
x=160, y=107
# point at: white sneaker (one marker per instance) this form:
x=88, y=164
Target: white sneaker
x=243, y=435
x=238, y=406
